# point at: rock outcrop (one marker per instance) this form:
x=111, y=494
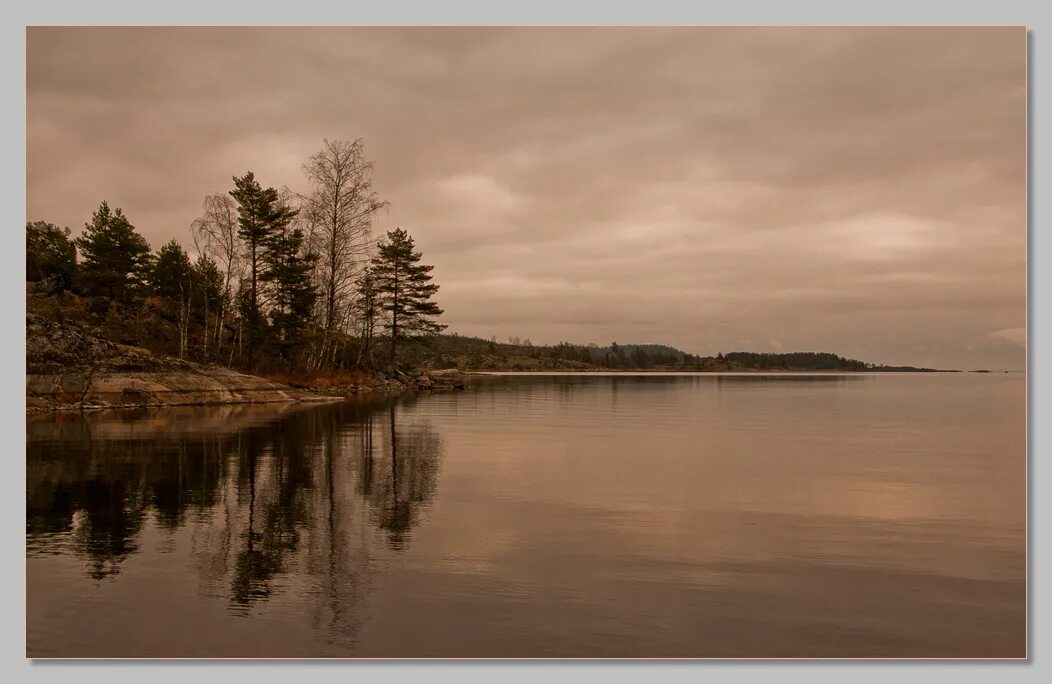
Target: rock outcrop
x=69, y=368
x=442, y=380
x=398, y=381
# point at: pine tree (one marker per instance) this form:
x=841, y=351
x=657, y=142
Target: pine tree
x=116, y=258
x=50, y=253
x=404, y=290
x=293, y=297
x=260, y=217
x=171, y=280
x=366, y=309
x=206, y=294
x=169, y=277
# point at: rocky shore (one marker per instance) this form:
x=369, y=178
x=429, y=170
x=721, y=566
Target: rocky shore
x=398, y=381
x=68, y=368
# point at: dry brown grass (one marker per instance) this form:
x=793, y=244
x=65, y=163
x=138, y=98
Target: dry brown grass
x=320, y=380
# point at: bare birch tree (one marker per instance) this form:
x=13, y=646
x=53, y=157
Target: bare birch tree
x=340, y=207
x=216, y=229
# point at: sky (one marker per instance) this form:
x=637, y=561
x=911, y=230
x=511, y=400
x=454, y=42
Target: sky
x=854, y=190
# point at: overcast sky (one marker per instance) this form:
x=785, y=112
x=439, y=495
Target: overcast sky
x=861, y=191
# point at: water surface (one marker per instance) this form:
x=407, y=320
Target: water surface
x=576, y=516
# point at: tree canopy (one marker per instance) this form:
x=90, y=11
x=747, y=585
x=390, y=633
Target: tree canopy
x=49, y=253
x=171, y=273
x=261, y=217
x=288, y=270
x=404, y=290
x=116, y=259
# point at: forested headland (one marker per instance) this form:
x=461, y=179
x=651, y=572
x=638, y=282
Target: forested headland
x=294, y=284
x=276, y=282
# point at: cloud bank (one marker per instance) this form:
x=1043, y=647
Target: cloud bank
x=856, y=190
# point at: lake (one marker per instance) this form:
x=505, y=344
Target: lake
x=865, y=515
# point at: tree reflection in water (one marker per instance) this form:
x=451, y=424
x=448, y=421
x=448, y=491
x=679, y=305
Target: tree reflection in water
x=304, y=502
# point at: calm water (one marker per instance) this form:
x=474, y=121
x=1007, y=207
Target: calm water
x=670, y=516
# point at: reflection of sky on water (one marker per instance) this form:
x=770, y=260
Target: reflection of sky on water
x=543, y=516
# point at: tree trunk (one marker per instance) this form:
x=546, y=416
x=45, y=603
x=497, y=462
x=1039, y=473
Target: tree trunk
x=240, y=322
x=394, y=314
x=220, y=324
x=182, y=322
x=204, y=329
x=252, y=316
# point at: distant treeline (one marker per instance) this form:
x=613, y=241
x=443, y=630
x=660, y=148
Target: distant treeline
x=456, y=351
x=474, y=352
x=795, y=361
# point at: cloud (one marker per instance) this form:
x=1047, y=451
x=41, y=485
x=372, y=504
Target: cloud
x=833, y=188
x=1016, y=336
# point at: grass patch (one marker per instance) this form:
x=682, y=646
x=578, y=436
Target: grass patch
x=321, y=380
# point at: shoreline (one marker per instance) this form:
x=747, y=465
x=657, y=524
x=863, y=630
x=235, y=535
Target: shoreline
x=91, y=391
x=71, y=369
